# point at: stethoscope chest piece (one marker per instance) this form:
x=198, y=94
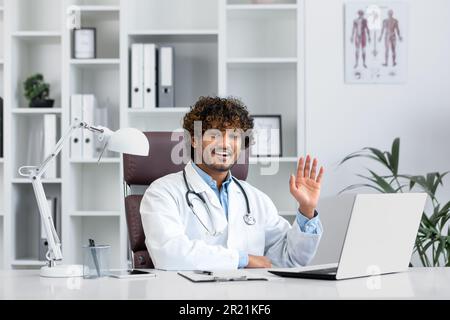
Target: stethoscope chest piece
x=249, y=219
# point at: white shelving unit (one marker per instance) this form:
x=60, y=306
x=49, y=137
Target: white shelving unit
x=222, y=47
x=4, y=216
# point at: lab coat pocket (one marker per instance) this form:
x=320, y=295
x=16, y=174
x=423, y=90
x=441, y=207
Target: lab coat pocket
x=255, y=239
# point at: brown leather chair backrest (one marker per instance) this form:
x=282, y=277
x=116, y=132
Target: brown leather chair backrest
x=142, y=171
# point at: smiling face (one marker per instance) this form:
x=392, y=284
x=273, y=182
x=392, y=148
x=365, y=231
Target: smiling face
x=219, y=129
x=220, y=149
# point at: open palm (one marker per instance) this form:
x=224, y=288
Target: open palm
x=305, y=186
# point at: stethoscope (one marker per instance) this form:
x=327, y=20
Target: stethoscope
x=249, y=219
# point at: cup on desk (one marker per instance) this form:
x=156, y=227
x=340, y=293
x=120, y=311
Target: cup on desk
x=96, y=261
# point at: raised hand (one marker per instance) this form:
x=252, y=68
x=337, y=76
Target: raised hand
x=305, y=187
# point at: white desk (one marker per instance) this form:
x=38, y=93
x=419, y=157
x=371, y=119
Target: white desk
x=418, y=283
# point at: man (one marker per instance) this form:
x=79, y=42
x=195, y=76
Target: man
x=204, y=218
x=360, y=34
x=390, y=26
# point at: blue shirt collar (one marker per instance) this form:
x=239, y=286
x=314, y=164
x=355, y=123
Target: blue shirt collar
x=210, y=181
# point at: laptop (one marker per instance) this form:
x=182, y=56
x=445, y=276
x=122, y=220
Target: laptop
x=380, y=237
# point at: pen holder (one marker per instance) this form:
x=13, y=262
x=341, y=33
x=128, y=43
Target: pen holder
x=96, y=261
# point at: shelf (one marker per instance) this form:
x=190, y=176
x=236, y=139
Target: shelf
x=95, y=63
x=28, y=263
x=28, y=181
x=95, y=188
x=260, y=2
x=36, y=35
x=261, y=33
x=261, y=7
x=95, y=213
x=162, y=15
x=106, y=21
x=257, y=160
x=32, y=111
x=43, y=15
x=35, y=52
x=98, y=8
x=195, y=57
x=94, y=161
x=181, y=32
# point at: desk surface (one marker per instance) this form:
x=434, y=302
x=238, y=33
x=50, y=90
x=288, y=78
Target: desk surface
x=417, y=283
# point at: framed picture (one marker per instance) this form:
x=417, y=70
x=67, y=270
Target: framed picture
x=267, y=136
x=84, y=43
x=376, y=41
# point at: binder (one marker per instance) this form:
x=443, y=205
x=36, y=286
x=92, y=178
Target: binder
x=149, y=76
x=137, y=79
x=88, y=146
x=166, y=78
x=43, y=244
x=76, y=115
x=50, y=141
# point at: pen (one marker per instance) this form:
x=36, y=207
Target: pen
x=94, y=256
x=209, y=273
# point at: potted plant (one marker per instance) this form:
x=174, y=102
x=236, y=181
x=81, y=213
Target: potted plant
x=433, y=239
x=37, y=92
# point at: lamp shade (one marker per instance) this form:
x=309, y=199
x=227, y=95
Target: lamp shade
x=130, y=141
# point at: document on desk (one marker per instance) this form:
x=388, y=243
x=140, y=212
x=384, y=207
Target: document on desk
x=222, y=276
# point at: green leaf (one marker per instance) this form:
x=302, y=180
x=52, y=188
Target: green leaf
x=380, y=156
x=382, y=183
x=394, y=156
x=439, y=251
x=422, y=182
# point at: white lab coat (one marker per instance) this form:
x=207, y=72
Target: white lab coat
x=176, y=240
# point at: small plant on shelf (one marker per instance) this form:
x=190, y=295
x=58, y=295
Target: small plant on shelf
x=37, y=92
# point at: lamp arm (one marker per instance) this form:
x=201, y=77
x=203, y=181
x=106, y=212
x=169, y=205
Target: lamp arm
x=58, y=147
x=54, y=243
x=35, y=173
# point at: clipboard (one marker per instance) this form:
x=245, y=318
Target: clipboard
x=219, y=277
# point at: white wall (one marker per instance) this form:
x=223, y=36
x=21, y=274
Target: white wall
x=342, y=118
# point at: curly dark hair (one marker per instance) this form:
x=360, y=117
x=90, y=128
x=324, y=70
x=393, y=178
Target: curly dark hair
x=219, y=113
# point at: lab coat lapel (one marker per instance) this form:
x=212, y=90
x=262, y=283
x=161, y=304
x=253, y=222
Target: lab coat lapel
x=199, y=185
x=236, y=210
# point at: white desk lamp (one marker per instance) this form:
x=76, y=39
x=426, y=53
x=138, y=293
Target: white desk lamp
x=127, y=140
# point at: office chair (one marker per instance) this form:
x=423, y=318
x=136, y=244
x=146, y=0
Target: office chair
x=139, y=172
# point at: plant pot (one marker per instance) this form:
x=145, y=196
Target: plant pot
x=42, y=103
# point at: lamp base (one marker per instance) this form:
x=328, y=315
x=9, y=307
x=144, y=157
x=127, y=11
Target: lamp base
x=62, y=271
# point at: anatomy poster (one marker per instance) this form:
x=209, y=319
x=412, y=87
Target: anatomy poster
x=376, y=41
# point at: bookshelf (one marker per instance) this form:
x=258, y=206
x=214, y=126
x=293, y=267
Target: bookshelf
x=4, y=215
x=230, y=47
